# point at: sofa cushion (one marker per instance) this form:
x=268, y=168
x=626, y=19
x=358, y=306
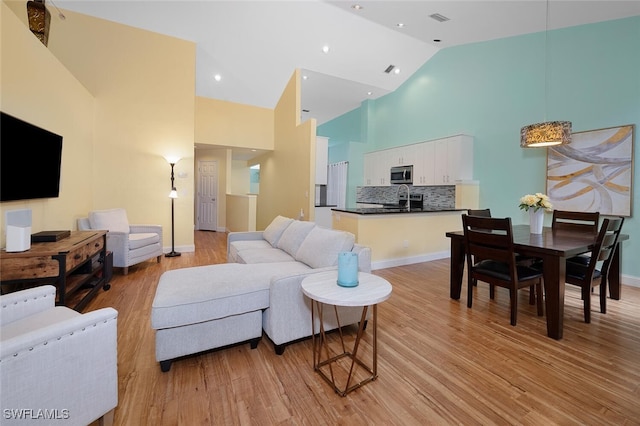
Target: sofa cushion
x=263, y=255
x=274, y=231
x=293, y=236
x=191, y=295
x=237, y=246
x=113, y=220
x=322, y=246
x=142, y=239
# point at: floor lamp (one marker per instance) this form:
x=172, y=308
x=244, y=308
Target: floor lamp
x=173, y=195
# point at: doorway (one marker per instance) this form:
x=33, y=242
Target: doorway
x=207, y=198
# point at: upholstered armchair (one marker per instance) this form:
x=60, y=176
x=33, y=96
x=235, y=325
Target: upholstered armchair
x=130, y=244
x=56, y=364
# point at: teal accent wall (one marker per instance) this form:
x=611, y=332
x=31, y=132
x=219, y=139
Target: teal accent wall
x=490, y=90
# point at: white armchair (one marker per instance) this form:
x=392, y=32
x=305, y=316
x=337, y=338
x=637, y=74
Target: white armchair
x=56, y=363
x=130, y=244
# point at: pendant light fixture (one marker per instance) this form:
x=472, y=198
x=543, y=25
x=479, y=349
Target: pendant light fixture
x=547, y=133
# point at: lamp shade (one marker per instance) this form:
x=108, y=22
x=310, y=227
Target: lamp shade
x=173, y=193
x=172, y=159
x=549, y=133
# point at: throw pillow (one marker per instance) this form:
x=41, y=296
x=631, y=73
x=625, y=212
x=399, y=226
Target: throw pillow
x=274, y=231
x=322, y=246
x=114, y=220
x=293, y=236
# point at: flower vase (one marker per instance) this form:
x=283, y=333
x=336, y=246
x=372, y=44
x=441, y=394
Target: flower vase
x=536, y=220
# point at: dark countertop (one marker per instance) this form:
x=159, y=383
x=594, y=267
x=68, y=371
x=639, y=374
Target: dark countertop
x=326, y=205
x=395, y=210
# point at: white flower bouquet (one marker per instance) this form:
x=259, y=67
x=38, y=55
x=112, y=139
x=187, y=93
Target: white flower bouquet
x=536, y=202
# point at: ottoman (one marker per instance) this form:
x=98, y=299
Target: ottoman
x=207, y=307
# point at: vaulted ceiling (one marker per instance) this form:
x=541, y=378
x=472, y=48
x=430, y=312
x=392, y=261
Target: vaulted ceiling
x=254, y=46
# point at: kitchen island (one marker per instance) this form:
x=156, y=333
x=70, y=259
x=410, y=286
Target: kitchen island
x=397, y=236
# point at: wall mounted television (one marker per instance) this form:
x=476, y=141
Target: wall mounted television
x=30, y=160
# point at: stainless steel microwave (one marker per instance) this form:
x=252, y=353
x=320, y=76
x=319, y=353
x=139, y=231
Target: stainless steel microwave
x=401, y=174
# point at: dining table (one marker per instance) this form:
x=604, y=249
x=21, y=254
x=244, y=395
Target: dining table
x=552, y=247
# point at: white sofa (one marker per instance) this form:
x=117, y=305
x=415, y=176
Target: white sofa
x=288, y=316
x=56, y=365
x=207, y=307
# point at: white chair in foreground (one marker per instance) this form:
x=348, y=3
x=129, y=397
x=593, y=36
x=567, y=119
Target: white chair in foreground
x=56, y=364
x=130, y=244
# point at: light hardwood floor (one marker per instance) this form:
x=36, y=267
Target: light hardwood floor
x=438, y=362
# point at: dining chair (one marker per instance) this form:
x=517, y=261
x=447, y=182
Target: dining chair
x=520, y=259
x=589, y=276
x=578, y=222
x=491, y=259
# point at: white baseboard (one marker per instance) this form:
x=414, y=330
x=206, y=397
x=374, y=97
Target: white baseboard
x=181, y=249
x=390, y=263
x=630, y=280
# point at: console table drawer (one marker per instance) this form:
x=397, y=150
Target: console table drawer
x=83, y=253
x=22, y=268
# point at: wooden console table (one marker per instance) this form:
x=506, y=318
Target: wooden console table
x=78, y=262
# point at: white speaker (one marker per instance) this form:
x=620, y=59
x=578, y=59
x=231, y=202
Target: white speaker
x=18, y=230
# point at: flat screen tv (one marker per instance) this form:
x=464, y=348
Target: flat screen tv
x=30, y=160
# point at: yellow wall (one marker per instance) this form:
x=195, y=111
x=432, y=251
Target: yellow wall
x=143, y=109
x=37, y=88
x=287, y=174
x=225, y=124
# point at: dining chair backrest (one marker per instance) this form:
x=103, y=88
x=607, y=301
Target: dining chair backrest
x=490, y=238
x=479, y=212
x=611, y=229
x=575, y=221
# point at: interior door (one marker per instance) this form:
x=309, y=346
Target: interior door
x=207, y=219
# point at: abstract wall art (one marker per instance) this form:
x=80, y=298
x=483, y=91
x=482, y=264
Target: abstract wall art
x=594, y=172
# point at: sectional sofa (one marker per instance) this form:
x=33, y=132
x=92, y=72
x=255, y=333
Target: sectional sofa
x=258, y=290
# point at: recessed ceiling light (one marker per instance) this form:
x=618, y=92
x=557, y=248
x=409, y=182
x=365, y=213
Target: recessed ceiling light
x=304, y=77
x=400, y=25
x=217, y=77
x=396, y=71
x=369, y=93
x=357, y=7
x=325, y=48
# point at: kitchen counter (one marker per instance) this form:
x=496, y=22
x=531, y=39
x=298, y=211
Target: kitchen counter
x=399, y=237
x=395, y=210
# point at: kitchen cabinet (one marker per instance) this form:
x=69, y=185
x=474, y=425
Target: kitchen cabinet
x=322, y=159
x=437, y=162
x=424, y=164
x=453, y=159
x=376, y=168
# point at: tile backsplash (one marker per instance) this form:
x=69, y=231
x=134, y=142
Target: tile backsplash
x=438, y=196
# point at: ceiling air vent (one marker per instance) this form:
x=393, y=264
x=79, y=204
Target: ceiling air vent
x=389, y=69
x=438, y=17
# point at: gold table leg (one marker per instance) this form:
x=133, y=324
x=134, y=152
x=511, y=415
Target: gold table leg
x=319, y=342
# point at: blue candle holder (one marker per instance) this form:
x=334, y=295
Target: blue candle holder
x=347, y=269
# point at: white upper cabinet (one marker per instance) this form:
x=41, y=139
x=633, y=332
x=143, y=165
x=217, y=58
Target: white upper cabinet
x=453, y=159
x=424, y=164
x=322, y=159
x=438, y=162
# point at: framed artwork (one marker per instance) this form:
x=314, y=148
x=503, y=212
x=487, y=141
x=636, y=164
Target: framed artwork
x=594, y=172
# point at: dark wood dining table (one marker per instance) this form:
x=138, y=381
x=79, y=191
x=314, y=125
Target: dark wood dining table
x=553, y=248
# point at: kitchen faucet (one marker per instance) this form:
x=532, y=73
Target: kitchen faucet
x=408, y=195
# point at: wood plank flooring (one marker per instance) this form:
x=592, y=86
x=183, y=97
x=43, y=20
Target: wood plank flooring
x=438, y=361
